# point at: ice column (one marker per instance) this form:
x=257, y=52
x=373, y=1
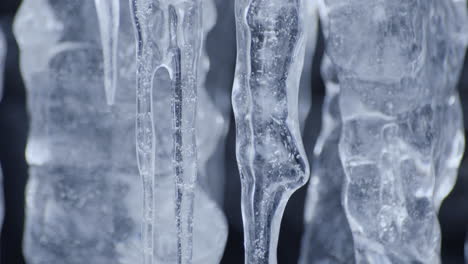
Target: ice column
x=3, y=50
x=324, y=213
x=390, y=100
x=108, y=12
x=270, y=155
x=81, y=196
x=169, y=36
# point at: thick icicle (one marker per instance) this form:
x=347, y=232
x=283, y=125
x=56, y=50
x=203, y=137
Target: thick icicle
x=270, y=155
x=108, y=12
x=82, y=199
x=174, y=46
x=324, y=213
x=391, y=101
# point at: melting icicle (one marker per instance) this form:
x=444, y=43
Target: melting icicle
x=144, y=122
x=270, y=155
x=169, y=36
x=109, y=20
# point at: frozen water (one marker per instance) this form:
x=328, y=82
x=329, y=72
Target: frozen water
x=327, y=237
x=84, y=193
x=173, y=53
x=82, y=202
x=3, y=50
x=270, y=155
x=108, y=12
x=392, y=101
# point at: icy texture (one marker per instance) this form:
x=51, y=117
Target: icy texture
x=324, y=213
x=81, y=200
x=270, y=155
x=108, y=12
x=169, y=36
x=392, y=140
x=84, y=194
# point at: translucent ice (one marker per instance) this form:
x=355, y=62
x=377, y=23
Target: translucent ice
x=397, y=63
x=3, y=50
x=270, y=155
x=108, y=12
x=84, y=196
x=324, y=213
x=169, y=36
x=81, y=193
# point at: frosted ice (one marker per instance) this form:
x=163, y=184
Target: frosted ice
x=81, y=196
x=327, y=237
x=108, y=12
x=84, y=194
x=270, y=155
x=392, y=101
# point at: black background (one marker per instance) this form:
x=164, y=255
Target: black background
x=221, y=45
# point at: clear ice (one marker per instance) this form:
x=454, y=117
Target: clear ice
x=270, y=154
x=324, y=213
x=169, y=39
x=108, y=12
x=395, y=99
x=84, y=194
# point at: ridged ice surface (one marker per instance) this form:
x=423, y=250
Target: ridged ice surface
x=398, y=63
x=84, y=192
x=270, y=155
x=327, y=237
x=108, y=12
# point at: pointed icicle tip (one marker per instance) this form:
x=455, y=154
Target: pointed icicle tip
x=108, y=12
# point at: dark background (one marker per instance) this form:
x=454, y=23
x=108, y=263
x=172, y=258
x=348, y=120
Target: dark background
x=14, y=129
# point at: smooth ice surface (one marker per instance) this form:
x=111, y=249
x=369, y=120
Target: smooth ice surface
x=305, y=88
x=270, y=155
x=3, y=51
x=327, y=237
x=108, y=12
x=396, y=97
x=84, y=193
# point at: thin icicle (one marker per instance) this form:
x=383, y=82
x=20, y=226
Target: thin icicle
x=109, y=20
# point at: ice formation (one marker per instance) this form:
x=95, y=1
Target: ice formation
x=324, y=213
x=108, y=12
x=395, y=99
x=84, y=193
x=169, y=36
x=3, y=50
x=82, y=202
x=270, y=155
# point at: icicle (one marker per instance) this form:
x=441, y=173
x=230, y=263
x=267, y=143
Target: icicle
x=174, y=45
x=109, y=20
x=270, y=155
x=395, y=99
x=144, y=121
